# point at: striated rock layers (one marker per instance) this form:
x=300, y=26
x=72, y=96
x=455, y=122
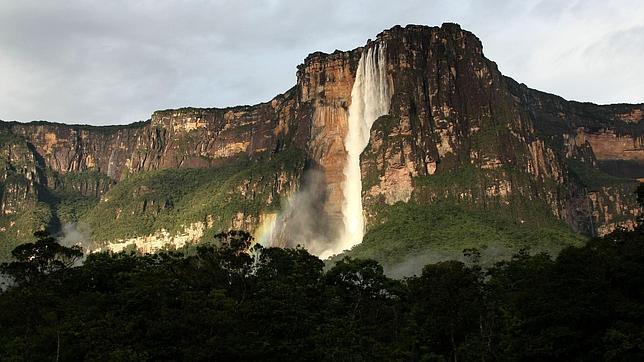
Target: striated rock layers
x=456, y=129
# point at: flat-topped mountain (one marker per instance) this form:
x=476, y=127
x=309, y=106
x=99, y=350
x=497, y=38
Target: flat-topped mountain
x=456, y=155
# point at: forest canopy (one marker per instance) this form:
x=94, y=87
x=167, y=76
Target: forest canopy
x=231, y=300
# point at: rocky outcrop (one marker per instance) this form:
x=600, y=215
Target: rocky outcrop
x=157, y=241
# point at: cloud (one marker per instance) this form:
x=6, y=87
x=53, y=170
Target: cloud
x=113, y=62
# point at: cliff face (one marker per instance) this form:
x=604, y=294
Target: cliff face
x=171, y=139
x=597, y=141
x=324, y=93
x=457, y=130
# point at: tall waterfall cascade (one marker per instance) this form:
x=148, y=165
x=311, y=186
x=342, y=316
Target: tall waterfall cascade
x=370, y=99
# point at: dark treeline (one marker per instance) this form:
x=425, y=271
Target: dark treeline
x=279, y=304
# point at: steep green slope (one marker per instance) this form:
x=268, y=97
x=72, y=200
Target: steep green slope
x=173, y=198
x=409, y=235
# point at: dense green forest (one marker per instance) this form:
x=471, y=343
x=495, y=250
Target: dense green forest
x=229, y=300
x=441, y=230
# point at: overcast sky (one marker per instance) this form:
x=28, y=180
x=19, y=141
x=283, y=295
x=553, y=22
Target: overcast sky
x=114, y=62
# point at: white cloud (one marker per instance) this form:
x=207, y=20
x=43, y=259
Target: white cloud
x=116, y=62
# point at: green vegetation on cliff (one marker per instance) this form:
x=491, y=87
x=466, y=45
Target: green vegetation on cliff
x=18, y=228
x=442, y=230
x=73, y=194
x=22, y=209
x=594, y=178
x=171, y=199
x=497, y=210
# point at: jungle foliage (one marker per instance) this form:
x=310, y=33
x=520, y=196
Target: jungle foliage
x=230, y=300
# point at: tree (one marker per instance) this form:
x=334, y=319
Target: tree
x=362, y=313
x=447, y=312
x=44, y=256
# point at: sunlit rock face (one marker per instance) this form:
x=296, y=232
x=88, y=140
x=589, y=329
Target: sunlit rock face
x=416, y=115
x=158, y=241
x=324, y=84
x=187, y=137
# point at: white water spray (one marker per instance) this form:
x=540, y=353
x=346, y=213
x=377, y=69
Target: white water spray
x=370, y=99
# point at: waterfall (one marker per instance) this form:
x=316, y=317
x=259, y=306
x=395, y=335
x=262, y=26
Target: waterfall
x=370, y=99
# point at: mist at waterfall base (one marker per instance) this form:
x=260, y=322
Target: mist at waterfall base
x=303, y=221
x=77, y=234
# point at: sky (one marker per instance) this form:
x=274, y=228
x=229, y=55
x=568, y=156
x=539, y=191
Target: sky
x=115, y=62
